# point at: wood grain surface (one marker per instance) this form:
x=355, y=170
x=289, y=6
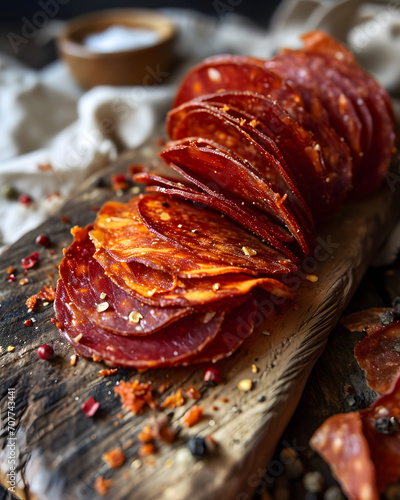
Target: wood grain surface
x=59, y=450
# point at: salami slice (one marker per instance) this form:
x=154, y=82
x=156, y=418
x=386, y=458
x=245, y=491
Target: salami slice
x=381, y=424
x=379, y=355
x=233, y=73
x=172, y=346
x=87, y=287
x=261, y=155
x=237, y=327
x=119, y=230
x=208, y=235
x=234, y=175
x=376, y=161
x=342, y=444
x=249, y=219
x=191, y=292
x=267, y=122
x=322, y=97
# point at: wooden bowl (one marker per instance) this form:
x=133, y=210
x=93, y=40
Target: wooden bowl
x=142, y=66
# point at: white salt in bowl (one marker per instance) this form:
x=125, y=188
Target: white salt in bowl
x=119, y=47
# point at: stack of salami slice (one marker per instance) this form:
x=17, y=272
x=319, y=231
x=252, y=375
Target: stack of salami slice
x=266, y=150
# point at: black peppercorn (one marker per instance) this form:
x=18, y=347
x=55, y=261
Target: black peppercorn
x=197, y=446
x=387, y=317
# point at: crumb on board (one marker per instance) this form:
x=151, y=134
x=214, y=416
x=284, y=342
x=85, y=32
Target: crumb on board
x=193, y=415
x=135, y=396
x=174, y=400
x=102, y=485
x=47, y=293
x=106, y=372
x=192, y=393
x=114, y=458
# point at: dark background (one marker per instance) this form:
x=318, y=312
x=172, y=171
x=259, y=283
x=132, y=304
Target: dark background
x=259, y=10
x=40, y=51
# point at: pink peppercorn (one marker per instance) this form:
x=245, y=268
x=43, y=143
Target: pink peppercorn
x=25, y=199
x=212, y=375
x=89, y=407
x=45, y=352
x=42, y=240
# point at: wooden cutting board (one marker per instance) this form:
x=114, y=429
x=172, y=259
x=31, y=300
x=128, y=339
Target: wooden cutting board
x=58, y=450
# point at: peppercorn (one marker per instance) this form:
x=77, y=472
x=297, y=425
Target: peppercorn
x=10, y=193
x=212, y=376
x=45, y=352
x=197, y=446
x=42, y=240
x=387, y=317
x=386, y=425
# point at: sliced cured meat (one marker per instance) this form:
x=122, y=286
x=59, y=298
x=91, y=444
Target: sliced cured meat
x=87, y=286
x=232, y=175
x=193, y=292
x=234, y=73
x=320, y=42
x=208, y=234
x=171, y=346
x=202, y=173
x=322, y=98
x=261, y=154
x=266, y=121
x=381, y=425
x=250, y=219
x=368, y=319
x=119, y=230
x=379, y=355
x=376, y=161
x=237, y=327
x=342, y=444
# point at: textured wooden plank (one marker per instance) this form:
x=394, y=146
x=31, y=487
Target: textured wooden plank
x=60, y=450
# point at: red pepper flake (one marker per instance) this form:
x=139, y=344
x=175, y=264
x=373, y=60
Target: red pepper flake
x=114, y=458
x=225, y=400
x=30, y=261
x=119, y=182
x=89, y=407
x=28, y=322
x=10, y=270
x=135, y=396
x=147, y=435
x=163, y=387
x=44, y=167
x=51, y=252
x=65, y=219
x=147, y=449
x=215, y=408
x=25, y=199
x=136, y=169
x=94, y=209
x=192, y=416
x=53, y=320
x=102, y=485
x=23, y=281
x=50, y=275
x=11, y=278
x=212, y=376
x=47, y=293
x=174, y=400
x=192, y=393
x=106, y=372
x=42, y=240
x=45, y=351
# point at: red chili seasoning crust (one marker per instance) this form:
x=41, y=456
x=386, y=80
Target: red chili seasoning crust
x=135, y=396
